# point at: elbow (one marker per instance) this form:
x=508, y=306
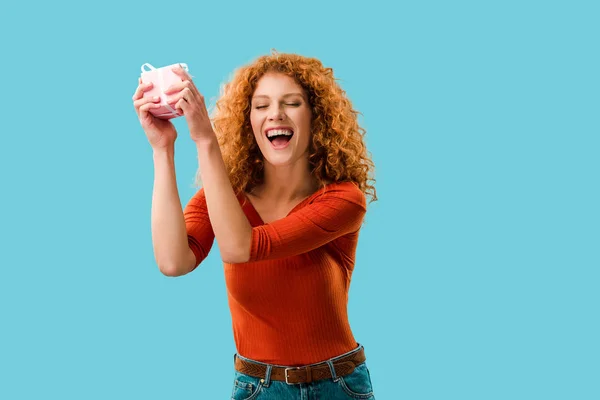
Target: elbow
x=168, y=271
x=171, y=270
x=235, y=260
x=177, y=266
x=236, y=257
x=237, y=254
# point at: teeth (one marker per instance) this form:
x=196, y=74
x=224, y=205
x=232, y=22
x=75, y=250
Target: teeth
x=277, y=132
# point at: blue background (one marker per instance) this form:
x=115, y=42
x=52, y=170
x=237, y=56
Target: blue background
x=477, y=271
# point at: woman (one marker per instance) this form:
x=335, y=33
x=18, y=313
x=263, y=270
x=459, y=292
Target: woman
x=285, y=174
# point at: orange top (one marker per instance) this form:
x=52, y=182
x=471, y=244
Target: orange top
x=289, y=301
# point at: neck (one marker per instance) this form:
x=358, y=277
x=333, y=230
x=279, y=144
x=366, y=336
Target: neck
x=288, y=183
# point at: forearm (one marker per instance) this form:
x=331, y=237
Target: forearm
x=169, y=236
x=230, y=225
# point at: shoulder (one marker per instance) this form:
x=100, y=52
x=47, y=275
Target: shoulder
x=345, y=191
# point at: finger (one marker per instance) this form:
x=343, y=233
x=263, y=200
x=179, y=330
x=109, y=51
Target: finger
x=144, y=114
x=146, y=108
x=139, y=92
x=185, y=94
x=182, y=73
x=172, y=100
x=181, y=106
x=144, y=100
x=176, y=87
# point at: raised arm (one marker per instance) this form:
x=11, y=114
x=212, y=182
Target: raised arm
x=172, y=250
x=169, y=237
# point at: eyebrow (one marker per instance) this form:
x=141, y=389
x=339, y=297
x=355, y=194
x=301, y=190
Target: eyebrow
x=285, y=95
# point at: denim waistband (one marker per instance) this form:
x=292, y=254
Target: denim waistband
x=359, y=346
x=329, y=362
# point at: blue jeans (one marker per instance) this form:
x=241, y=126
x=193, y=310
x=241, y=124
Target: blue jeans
x=357, y=385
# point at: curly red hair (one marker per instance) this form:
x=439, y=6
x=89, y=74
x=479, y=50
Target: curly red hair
x=337, y=151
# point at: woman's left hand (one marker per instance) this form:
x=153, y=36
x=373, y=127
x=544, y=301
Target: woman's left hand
x=187, y=100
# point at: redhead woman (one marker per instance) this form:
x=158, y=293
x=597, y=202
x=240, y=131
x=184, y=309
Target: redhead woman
x=285, y=176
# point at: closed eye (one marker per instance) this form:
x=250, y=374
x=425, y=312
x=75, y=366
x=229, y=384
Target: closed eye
x=287, y=104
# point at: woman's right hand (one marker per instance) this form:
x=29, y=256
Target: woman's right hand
x=161, y=133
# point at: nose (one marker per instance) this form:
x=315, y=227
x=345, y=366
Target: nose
x=276, y=114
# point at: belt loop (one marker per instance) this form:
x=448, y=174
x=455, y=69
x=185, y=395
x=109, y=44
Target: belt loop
x=267, y=380
x=331, y=367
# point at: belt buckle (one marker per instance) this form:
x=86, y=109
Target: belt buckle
x=286, y=375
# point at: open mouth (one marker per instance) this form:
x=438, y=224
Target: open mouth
x=279, y=138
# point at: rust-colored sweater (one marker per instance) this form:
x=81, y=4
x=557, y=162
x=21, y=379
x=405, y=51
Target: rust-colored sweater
x=289, y=301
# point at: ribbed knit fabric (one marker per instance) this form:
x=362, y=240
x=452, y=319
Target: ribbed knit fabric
x=289, y=302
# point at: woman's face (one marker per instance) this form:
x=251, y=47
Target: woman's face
x=281, y=119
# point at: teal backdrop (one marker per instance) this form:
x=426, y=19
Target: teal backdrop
x=477, y=272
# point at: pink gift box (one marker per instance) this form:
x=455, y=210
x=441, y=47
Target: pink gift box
x=162, y=78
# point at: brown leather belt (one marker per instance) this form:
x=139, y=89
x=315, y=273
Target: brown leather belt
x=293, y=375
